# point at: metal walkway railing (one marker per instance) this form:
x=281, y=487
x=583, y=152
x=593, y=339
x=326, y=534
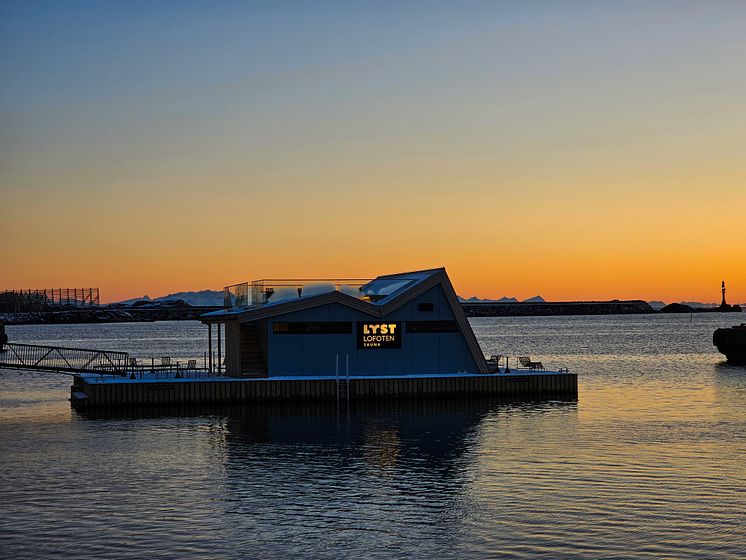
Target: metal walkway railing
x=62, y=360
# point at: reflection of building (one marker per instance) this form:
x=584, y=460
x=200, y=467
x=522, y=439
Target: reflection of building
x=433, y=434
x=394, y=476
x=382, y=446
x=400, y=324
x=380, y=433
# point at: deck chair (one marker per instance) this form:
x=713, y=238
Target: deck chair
x=494, y=362
x=527, y=363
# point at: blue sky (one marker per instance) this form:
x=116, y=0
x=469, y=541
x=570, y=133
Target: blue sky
x=297, y=121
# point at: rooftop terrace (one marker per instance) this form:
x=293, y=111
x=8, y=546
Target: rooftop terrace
x=270, y=291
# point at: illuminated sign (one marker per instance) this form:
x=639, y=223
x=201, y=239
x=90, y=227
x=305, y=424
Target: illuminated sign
x=379, y=335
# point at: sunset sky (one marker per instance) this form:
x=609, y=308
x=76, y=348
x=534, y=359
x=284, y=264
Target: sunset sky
x=577, y=150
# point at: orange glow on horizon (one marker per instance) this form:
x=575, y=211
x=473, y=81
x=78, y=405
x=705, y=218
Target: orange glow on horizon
x=569, y=246
x=592, y=157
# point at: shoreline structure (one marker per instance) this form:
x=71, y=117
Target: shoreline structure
x=83, y=311
x=190, y=313
x=487, y=309
x=471, y=309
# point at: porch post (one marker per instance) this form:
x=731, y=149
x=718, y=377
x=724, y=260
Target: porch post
x=209, y=346
x=220, y=361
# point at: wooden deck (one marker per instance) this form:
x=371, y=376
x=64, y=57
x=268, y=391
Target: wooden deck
x=90, y=393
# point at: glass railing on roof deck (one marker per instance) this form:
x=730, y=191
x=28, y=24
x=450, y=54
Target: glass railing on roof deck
x=236, y=295
x=262, y=292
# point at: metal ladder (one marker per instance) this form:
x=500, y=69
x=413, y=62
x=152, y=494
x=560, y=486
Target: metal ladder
x=343, y=388
x=343, y=382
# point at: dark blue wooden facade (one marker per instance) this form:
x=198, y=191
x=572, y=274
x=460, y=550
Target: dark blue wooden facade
x=420, y=353
x=322, y=335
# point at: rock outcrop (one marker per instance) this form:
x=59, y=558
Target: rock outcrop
x=684, y=308
x=679, y=308
x=732, y=343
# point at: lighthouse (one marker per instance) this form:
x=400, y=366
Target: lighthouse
x=724, y=305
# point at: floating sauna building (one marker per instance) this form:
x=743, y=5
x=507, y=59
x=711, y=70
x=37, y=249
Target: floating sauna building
x=402, y=335
x=396, y=325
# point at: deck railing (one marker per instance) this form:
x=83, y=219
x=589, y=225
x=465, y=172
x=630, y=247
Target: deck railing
x=63, y=360
x=106, y=363
x=236, y=295
x=267, y=290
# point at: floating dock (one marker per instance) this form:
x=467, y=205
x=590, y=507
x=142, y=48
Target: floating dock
x=397, y=336
x=90, y=391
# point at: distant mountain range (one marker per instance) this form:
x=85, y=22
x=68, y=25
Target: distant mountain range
x=215, y=298
x=698, y=304
x=535, y=299
x=200, y=298
x=694, y=304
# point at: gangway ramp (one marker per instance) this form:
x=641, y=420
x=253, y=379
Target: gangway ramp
x=59, y=359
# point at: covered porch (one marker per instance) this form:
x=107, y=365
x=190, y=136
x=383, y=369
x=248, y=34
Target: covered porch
x=236, y=349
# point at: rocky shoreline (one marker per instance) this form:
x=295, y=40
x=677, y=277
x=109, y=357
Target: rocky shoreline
x=105, y=315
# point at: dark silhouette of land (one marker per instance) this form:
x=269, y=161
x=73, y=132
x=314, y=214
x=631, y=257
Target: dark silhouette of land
x=615, y=307
x=167, y=309
x=724, y=306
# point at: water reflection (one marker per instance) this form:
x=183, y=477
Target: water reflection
x=438, y=429
x=729, y=386
x=649, y=462
x=314, y=480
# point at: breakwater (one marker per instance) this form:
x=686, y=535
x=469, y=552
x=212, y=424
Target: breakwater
x=106, y=315
x=185, y=312
x=616, y=307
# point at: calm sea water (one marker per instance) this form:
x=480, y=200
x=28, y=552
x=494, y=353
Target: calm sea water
x=648, y=462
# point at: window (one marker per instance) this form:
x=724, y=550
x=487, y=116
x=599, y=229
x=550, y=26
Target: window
x=384, y=287
x=426, y=306
x=432, y=327
x=329, y=327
